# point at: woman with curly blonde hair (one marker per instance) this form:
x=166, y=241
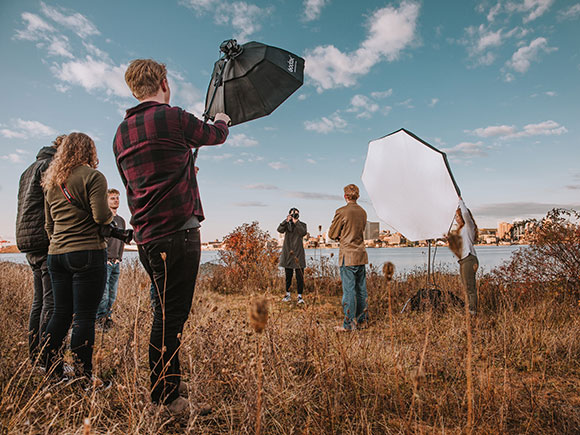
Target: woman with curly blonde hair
x=75, y=207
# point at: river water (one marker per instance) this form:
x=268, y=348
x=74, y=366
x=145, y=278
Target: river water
x=404, y=259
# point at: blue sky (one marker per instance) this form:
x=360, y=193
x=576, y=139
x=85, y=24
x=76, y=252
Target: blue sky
x=495, y=84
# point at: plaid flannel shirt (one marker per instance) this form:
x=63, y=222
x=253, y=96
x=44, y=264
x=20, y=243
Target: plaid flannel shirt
x=153, y=148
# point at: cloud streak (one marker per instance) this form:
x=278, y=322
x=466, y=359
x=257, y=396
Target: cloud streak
x=546, y=128
x=315, y=196
x=518, y=209
x=260, y=186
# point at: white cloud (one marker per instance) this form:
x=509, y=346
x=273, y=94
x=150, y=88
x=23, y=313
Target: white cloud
x=572, y=13
x=532, y=8
x=390, y=31
x=326, y=124
x=480, y=41
x=408, y=103
x=363, y=106
x=243, y=17
x=382, y=94
x=466, y=149
x=315, y=196
x=495, y=130
x=313, y=8
x=13, y=158
x=493, y=12
x=546, y=128
x=76, y=22
x=433, y=102
x=21, y=129
x=200, y=6
x=311, y=161
x=16, y=157
x=185, y=94
x=241, y=141
x=36, y=28
x=521, y=60
x=217, y=157
x=250, y=204
x=45, y=35
x=277, y=165
x=94, y=75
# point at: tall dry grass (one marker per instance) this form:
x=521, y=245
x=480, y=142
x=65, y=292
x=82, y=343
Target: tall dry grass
x=304, y=376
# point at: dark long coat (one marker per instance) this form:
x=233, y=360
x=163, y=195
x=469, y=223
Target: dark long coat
x=292, y=256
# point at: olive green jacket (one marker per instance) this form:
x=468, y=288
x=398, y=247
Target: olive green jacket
x=73, y=227
x=348, y=227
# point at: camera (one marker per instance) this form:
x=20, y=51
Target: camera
x=112, y=230
x=294, y=213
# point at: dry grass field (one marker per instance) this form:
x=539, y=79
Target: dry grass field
x=405, y=373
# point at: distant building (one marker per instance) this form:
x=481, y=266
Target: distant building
x=393, y=239
x=503, y=230
x=371, y=231
x=488, y=235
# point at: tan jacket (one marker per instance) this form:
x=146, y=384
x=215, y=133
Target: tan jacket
x=348, y=228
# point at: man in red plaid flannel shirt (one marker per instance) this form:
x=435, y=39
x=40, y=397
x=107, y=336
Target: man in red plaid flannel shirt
x=153, y=148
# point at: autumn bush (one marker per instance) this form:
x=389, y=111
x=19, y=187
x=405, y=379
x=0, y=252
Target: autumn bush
x=249, y=260
x=549, y=265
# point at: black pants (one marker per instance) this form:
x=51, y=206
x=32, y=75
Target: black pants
x=172, y=263
x=78, y=282
x=299, y=279
x=42, y=302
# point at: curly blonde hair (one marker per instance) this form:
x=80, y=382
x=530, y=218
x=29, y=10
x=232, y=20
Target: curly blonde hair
x=76, y=149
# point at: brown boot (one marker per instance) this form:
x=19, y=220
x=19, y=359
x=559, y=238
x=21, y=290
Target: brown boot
x=179, y=406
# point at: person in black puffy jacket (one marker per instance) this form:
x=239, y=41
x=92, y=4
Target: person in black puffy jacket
x=31, y=239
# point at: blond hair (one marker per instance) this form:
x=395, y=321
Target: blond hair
x=112, y=191
x=144, y=77
x=351, y=192
x=76, y=149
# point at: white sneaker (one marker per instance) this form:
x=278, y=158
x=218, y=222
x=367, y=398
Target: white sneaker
x=287, y=298
x=300, y=300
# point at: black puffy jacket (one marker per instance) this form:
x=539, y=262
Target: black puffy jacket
x=30, y=233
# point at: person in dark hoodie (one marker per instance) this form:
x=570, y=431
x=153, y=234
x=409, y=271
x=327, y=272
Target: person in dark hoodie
x=32, y=240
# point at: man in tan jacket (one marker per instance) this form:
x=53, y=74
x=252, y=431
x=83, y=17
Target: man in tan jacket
x=348, y=228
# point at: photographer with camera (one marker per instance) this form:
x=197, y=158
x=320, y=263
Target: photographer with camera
x=153, y=148
x=115, y=248
x=292, y=257
x=75, y=209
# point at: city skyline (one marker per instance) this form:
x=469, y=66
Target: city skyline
x=495, y=85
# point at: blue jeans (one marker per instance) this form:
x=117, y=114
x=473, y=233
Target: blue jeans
x=42, y=302
x=78, y=281
x=354, y=295
x=110, y=294
x=172, y=263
